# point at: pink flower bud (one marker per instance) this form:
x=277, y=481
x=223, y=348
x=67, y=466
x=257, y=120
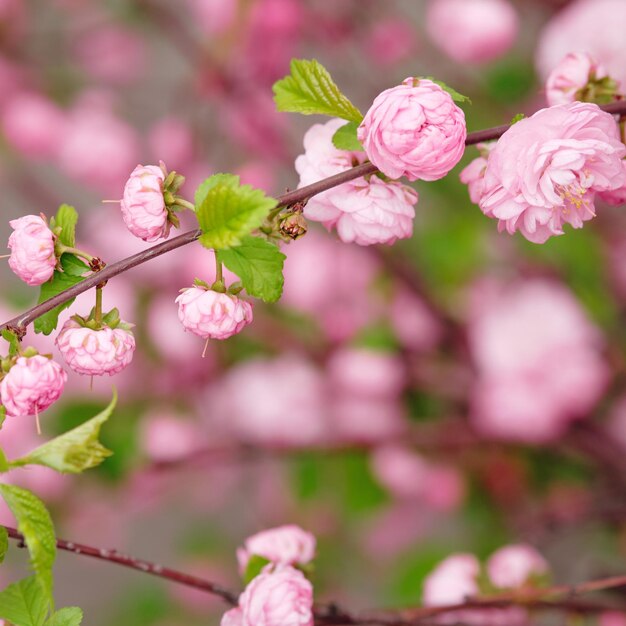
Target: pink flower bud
x=414, y=130
x=32, y=250
x=95, y=352
x=31, y=385
x=283, y=597
x=472, y=31
x=285, y=545
x=143, y=205
x=212, y=315
x=512, y=566
x=570, y=76
x=545, y=170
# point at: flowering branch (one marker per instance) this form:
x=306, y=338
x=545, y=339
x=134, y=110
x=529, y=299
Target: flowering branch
x=556, y=598
x=292, y=197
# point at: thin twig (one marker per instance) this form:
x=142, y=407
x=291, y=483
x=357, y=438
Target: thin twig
x=298, y=195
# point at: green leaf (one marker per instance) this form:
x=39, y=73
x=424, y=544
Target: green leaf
x=4, y=464
x=74, y=451
x=66, y=218
x=345, y=138
x=4, y=543
x=259, y=265
x=309, y=89
x=68, y=616
x=33, y=521
x=14, y=342
x=73, y=267
x=456, y=96
x=229, y=211
x=254, y=567
x=23, y=604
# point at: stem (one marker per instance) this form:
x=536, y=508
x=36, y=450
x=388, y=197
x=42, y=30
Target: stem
x=219, y=270
x=298, y=195
x=98, y=312
x=184, y=203
x=80, y=253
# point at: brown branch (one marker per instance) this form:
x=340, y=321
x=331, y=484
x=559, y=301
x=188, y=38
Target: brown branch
x=289, y=198
x=557, y=598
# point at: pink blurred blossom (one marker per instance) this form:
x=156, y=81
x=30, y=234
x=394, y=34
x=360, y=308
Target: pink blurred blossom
x=111, y=53
x=358, y=419
x=612, y=618
x=33, y=125
x=513, y=566
x=167, y=437
x=545, y=170
x=413, y=323
x=213, y=16
x=391, y=40
x=171, y=140
x=592, y=26
x=472, y=31
x=538, y=358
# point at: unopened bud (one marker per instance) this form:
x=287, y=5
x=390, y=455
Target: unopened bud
x=293, y=226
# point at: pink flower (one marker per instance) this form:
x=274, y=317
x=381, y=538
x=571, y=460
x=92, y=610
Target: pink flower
x=472, y=31
x=453, y=580
x=592, y=26
x=95, y=352
x=414, y=130
x=546, y=170
x=285, y=545
x=212, y=315
x=33, y=125
x=213, y=16
x=283, y=597
x=570, y=76
x=616, y=196
x=364, y=212
x=512, y=566
x=143, y=206
x=473, y=175
x=32, y=250
x=538, y=359
x=284, y=403
x=234, y=617
x=391, y=40
x=413, y=323
x=31, y=385
x=165, y=437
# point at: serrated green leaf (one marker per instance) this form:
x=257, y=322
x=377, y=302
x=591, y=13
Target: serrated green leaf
x=345, y=138
x=230, y=180
x=255, y=564
x=230, y=211
x=259, y=265
x=68, y=616
x=4, y=543
x=66, y=218
x=34, y=522
x=23, y=604
x=456, y=96
x=76, y=450
x=73, y=267
x=309, y=89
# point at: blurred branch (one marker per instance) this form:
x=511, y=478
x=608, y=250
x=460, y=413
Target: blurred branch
x=288, y=199
x=557, y=598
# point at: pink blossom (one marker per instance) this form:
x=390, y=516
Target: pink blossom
x=358, y=419
x=391, y=40
x=171, y=140
x=413, y=323
x=283, y=597
x=513, y=566
x=538, y=359
x=33, y=125
x=112, y=53
x=452, y=581
x=97, y=148
x=472, y=31
x=473, y=175
x=364, y=212
x=545, y=170
x=617, y=196
x=95, y=352
x=212, y=315
x=284, y=403
x=143, y=205
x=234, y=617
x=571, y=75
x=366, y=372
x=32, y=250
x=285, y=545
x=592, y=26
x=414, y=130
x=165, y=437
x=31, y=385
x=213, y=16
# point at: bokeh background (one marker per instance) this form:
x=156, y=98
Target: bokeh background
x=456, y=392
